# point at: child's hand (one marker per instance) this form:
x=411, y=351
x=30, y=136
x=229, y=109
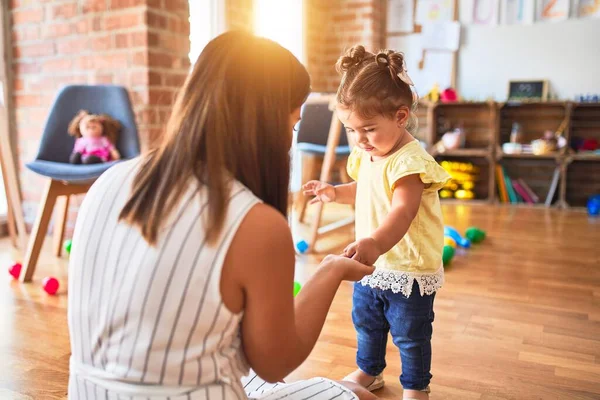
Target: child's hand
x=364, y=250
x=323, y=192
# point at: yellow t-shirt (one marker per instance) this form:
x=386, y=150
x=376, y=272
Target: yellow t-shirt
x=420, y=250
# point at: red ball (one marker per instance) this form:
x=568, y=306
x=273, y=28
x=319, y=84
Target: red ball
x=15, y=270
x=50, y=285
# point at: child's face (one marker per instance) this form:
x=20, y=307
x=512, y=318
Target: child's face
x=379, y=136
x=90, y=128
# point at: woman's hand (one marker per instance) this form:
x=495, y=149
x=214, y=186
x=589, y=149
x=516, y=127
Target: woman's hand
x=323, y=192
x=364, y=250
x=347, y=268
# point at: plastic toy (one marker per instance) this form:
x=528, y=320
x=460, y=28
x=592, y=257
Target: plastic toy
x=67, y=246
x=447, y=254
x=297, y=288
x=15, y=270
x=448, y=241
x=302, y=246
x=453, y=233
x=462, y=184
x=50, y=285
x=475, y=235
x=593, y=205
x=449, y=96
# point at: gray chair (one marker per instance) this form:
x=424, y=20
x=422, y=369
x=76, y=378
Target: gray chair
x=52, y=161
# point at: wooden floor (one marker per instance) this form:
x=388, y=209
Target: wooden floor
x=518, y=318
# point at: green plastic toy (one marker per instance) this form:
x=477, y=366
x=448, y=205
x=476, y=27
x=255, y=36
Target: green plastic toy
x=447, y=254
x=474, y=234
x=297, y=288
x=67, y=246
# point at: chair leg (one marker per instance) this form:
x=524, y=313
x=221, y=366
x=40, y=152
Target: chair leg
x=310, y=170
x=60, y=223
x=10, y=219
x=40, y=228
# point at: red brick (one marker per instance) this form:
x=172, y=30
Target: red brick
x=25, y=33
x=155, y=78
x=175, y=80
x=90, y=6
x=122, y=21
x=139, y=39
x=27, y=16
x=72, y=46
x=160, y=60
x=139, y=77
x=116, y=4
x=156, y=21
x=27, y=100
x=103, y=79
x=111, y=61
x=153, y=39
x=33, y=50
x=161, y=96
x=64, y=11
x=140, y=58
x=57, y=65
x=101, y=43
x=24, y=68
x=18, y=85
x=57, y=30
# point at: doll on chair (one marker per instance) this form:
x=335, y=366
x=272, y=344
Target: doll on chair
x=96, y=136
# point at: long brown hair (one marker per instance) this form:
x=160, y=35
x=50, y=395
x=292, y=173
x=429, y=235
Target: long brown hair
x=230, y=119
x=372, y=85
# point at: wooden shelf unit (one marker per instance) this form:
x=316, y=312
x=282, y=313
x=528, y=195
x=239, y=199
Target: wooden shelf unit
x=488, y=125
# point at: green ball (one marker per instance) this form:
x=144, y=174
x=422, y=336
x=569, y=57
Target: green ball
x=475, y=235
x=67, y=246
x=447, y=254
x=297, y=288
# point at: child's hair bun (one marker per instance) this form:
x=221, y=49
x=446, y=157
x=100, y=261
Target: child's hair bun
x=353, y=57
x=390, y=59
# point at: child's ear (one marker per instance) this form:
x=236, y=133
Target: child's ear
x=402, y=116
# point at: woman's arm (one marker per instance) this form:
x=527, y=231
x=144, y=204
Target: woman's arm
x=258, y=277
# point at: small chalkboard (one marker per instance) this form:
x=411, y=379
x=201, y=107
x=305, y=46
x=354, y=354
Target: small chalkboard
x=528, y=90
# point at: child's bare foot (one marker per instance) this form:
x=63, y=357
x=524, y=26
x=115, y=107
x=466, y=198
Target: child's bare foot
x=365, y=380
x=415, y=395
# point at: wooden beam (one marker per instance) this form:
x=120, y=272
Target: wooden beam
x=7, y=152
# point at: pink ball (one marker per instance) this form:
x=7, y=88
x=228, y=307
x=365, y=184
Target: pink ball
x=15, y=270
x=50, y=285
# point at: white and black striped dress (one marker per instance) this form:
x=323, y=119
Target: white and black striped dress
x=148, y=322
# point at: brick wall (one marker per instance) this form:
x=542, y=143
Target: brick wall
x=140, y=44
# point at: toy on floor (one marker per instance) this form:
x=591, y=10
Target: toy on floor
x=15, y=270
x=50, y=285
x=448, y=241
x=297, y=288
x=67, y=246
x=447, y=254
x=593, y=205
x=302, y=246
x=453, y=233
x=475, y=235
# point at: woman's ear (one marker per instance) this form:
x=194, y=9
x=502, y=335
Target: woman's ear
x=402, y=116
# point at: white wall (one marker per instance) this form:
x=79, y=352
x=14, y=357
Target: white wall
x=566, y=53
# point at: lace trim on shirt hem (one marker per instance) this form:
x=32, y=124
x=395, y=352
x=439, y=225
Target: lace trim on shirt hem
x=402, y=281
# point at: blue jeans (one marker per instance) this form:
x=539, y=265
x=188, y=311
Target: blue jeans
x=376, y=312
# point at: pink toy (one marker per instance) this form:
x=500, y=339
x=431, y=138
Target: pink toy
x=50, y=285
x=15, y=270
x=96, y=136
